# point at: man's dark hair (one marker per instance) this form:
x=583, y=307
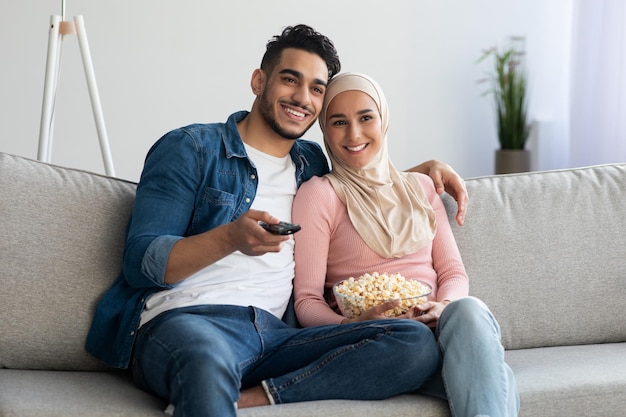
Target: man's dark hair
x=304, y=38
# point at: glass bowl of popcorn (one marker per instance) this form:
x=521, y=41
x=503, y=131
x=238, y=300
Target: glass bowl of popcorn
x=356, y=295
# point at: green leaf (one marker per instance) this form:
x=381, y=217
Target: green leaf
x=509, y=82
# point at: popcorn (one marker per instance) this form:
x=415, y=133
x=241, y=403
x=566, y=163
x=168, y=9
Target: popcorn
x=354, y=296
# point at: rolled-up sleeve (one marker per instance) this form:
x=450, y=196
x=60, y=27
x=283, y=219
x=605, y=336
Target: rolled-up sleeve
x=164, y=206
x=155, y=259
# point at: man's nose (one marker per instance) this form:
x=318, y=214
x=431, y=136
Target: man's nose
x=302, y=95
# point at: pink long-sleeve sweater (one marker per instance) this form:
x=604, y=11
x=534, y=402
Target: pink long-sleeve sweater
x=328, y=249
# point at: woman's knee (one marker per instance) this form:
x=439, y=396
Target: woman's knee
x=470, y=307
x=468, y=314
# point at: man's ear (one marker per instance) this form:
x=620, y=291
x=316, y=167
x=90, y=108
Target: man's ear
x=257, y=82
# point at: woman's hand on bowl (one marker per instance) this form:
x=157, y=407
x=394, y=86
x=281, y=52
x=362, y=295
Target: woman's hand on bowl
x=428, y=312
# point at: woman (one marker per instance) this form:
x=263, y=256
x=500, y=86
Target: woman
x=366, y=216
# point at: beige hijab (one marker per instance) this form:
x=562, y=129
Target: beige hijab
x=388, y=208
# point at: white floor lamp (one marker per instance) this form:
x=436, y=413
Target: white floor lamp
x=59, y=28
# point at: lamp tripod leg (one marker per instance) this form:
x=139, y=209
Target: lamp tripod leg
x=94, y=95
x=49, y=94
x=53, y=61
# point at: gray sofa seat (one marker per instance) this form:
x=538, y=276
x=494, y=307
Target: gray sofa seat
x=546, y=251
x=555, y=381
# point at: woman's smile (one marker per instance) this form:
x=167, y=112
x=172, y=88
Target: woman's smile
x=357, y=148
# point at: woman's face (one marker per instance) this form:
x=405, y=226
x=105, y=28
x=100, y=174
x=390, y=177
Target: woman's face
x=353, y=128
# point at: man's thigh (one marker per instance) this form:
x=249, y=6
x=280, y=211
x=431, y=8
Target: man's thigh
x=205, y=340
x=287, y=349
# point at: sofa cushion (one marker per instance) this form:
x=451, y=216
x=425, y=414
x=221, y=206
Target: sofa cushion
x=104, y=394
x=547, y=252
x=61, y=246
x=74, y=394
x=585, y=380
x=553, y=382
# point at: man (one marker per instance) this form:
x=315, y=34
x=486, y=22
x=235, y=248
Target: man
x=196, y=309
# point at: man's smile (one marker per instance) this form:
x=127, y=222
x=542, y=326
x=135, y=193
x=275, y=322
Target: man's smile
x=299, y=114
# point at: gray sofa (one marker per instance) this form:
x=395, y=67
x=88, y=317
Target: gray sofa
x=546, y=251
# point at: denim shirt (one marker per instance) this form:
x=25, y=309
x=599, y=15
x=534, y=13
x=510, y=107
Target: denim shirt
x=194, y=179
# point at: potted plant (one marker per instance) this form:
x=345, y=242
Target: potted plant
x=508, y=87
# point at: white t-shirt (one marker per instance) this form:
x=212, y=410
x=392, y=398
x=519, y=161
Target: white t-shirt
x=267, y=283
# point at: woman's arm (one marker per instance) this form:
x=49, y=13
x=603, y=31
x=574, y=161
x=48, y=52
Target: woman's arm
x=452, y=279
x=313, y=206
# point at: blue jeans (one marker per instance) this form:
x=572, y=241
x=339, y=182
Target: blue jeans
x=474, y=377
x=199, y=358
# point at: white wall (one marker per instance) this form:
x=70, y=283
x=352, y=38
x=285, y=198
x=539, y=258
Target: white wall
x=162, y=64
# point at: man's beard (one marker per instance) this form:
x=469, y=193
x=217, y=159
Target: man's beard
x=266, y=112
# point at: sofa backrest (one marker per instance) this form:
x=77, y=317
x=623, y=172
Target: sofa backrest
x=547, y=252
x=61, y=240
